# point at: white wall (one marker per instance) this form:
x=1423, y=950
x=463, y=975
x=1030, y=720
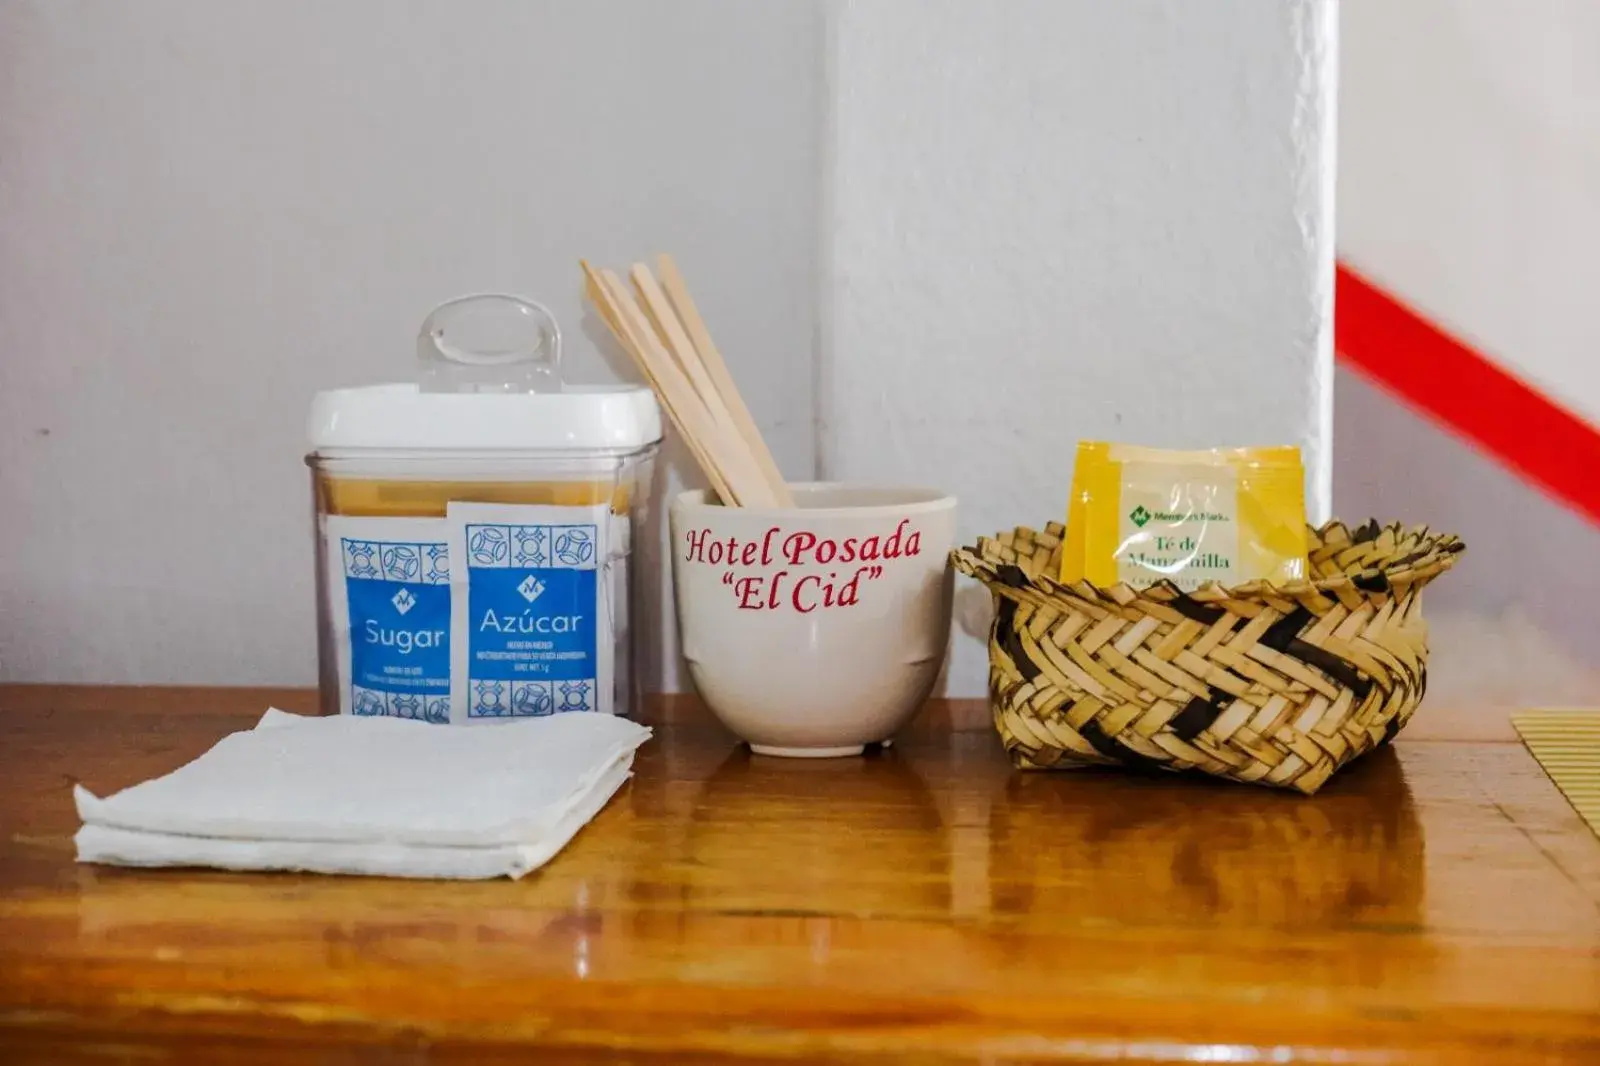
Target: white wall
x=210, y=210
x=1513, y=624
x=1469, y=185
x=1059, y=219
x=1469, y=174
x=1040, y=220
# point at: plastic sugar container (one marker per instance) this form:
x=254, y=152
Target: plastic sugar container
x=475, y=528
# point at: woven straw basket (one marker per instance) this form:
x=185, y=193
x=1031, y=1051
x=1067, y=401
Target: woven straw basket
x=1277, y=685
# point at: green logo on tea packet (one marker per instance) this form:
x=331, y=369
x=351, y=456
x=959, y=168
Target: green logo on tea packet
x=1139, y=516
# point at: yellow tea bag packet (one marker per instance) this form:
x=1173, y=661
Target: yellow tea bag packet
x=1143, y=515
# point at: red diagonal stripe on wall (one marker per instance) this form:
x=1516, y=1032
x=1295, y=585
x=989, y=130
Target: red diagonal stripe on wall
x=1442, y=377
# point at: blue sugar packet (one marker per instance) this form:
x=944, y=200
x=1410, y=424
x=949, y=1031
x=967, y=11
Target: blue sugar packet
x=532, y=630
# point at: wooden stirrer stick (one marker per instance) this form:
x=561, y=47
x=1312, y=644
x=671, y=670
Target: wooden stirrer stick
x=600, y=294
x=677, y=342
x=738, y=471
x=677, y=292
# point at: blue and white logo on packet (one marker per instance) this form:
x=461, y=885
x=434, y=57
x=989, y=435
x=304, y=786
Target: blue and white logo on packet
x=532, y=621
x=398, y=599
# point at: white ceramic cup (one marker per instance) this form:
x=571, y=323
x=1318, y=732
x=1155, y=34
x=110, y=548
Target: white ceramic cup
x=816, y=630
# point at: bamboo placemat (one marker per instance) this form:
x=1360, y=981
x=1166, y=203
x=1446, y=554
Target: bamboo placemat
x=1567, y=745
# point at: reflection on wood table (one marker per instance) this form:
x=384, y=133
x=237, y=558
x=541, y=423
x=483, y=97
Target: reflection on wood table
x=1438, y=902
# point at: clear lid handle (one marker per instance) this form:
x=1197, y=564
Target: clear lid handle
x=489, y=342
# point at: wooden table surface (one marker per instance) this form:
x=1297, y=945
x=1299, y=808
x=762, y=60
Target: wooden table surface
x=1438, y=903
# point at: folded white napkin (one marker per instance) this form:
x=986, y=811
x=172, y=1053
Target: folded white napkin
x=383, y=796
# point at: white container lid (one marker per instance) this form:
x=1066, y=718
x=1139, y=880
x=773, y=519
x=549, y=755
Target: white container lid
x=401, y=416
x=489, y=380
